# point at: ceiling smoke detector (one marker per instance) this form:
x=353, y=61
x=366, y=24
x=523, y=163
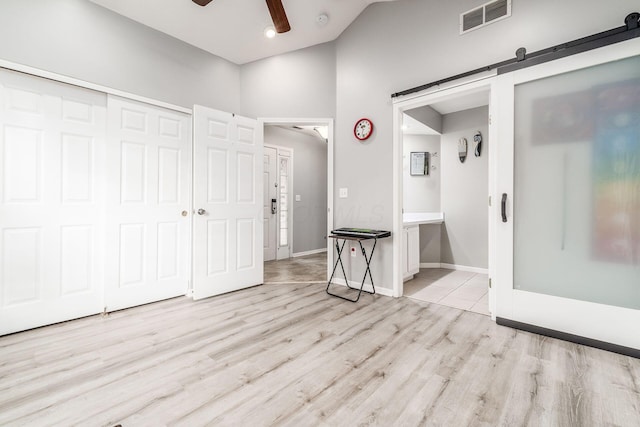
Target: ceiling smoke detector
x=322, y=19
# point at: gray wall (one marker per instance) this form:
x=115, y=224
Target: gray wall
x=310, y=182
x=465, y=189
x=296, y=84
x=80, y=39
x=391, y=46
x=421, y=193
x=394, y=46
x=428, y=116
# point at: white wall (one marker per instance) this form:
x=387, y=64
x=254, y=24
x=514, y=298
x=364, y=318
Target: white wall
x=310, y=182
x=394, y=46
x=300, y=84
x=465, y=189
x=80, y=39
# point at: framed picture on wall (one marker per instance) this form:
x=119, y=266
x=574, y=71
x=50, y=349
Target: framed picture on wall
x=419, y=163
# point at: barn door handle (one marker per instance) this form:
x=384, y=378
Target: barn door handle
x=503, y=205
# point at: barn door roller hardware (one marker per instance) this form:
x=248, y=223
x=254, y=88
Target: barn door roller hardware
x=630, y=30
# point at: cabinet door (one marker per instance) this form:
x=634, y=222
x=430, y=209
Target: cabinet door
x=413, y=249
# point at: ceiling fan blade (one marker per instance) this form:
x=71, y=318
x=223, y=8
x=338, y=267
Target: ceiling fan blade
x=202, y=2
x=279, y=17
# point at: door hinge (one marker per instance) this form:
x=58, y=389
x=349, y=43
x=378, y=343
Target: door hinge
x=489, y=118
x=489, y=200
x=489, y=282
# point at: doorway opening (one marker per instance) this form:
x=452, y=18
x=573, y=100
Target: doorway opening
x=442, y=175
x=298, y=199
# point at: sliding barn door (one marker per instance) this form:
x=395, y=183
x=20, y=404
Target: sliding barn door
x=148, y=206
x=228, y=203
x=569, y=175
x=52, y=140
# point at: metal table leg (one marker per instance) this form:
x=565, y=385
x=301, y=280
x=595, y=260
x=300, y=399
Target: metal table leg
x=339, y=250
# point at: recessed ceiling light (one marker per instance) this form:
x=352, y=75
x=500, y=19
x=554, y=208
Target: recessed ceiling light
x=269, y=32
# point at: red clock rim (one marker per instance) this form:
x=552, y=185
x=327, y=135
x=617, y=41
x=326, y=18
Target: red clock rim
x=356, y=126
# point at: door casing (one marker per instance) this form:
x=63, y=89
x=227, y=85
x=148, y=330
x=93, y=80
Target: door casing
x=480, y=82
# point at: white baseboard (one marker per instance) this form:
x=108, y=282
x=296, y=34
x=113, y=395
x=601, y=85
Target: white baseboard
x=313, y=252
x=367, y=287
x=454, y=267
x=430, y=265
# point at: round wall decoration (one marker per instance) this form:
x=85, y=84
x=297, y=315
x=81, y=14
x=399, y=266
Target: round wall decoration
x=363, y=129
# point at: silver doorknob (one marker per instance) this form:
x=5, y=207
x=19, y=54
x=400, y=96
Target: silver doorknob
x=201, y=211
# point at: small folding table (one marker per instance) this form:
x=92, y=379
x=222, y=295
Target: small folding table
x=357, y=235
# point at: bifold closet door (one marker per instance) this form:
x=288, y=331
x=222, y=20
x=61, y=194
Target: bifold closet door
x=52, y=142
x=228, y=221
x=148, y=204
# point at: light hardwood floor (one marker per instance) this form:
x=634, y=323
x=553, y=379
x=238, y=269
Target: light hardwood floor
x=309, y=268
x=291, y=355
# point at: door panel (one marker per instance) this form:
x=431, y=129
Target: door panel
x=148, y=230
x=270, y=193
x=572, y=178
x=52, y=137
x=285, y=218
x=228, y=225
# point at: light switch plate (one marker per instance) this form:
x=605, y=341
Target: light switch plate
x=344, y=193
x=298, y=198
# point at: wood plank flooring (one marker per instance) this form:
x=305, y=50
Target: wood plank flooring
x=290, y=355
x=309, y=268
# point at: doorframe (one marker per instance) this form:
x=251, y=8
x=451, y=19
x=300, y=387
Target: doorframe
x=480, y=82
x=321, y=121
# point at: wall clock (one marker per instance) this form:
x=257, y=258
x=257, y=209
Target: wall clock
x=363, y=129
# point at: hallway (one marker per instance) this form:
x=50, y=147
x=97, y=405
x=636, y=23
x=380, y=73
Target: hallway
x=310, y=268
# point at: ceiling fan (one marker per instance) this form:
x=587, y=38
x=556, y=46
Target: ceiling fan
x=278, y=15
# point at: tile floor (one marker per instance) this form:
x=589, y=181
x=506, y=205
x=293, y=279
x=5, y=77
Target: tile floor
x=452, y=288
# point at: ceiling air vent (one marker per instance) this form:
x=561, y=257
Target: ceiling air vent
x=486, y=14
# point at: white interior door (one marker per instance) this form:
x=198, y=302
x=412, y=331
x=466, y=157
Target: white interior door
x=228, y=201
x=270, y=205
x=52, y=139
x=569, y=167
x=148, y=208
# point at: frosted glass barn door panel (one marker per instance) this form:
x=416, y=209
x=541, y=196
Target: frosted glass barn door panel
x=149, y=220
x=52, y=141
x=575, y=198
x=228, y=248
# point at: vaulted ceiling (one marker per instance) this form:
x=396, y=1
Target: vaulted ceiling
x=234, y=29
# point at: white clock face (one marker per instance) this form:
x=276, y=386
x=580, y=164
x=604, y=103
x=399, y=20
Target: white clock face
x=363, y=129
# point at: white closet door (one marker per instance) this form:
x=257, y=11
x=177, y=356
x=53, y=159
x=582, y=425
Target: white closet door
x=51, y=201
x=228, y=223
x=148, y=229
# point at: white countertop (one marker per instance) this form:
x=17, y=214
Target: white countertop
x=417, y=218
